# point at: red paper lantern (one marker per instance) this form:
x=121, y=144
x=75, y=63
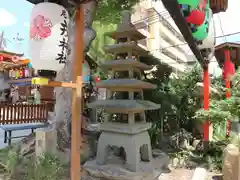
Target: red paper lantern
x=228, y=69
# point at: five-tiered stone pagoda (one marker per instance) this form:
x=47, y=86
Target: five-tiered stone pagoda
x=130, y=130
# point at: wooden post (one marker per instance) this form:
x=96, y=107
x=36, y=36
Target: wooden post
x=77, y=96
x=206, y=124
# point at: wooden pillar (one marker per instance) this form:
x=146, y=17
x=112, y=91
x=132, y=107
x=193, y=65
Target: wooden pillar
x=207, y=126
x=228, y=85
x=77, y=96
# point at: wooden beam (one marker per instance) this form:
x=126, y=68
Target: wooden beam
x=77, y=96
x=173, y=8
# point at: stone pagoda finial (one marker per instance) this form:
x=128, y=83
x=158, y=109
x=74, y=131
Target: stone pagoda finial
x=126, y=21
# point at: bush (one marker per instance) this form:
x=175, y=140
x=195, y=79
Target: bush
x=46, y=167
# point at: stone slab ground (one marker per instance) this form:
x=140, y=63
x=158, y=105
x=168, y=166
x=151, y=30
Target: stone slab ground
x=114, y=169
x=175, y=174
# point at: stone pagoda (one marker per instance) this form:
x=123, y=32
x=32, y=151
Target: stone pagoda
x=130, y=130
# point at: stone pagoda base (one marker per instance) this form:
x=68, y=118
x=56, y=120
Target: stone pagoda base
x=115, y=169
x=134, y=139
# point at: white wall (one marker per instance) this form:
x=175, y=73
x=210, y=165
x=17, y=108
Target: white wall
x=214, y=68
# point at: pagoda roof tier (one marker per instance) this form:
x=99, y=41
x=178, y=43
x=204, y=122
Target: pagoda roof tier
x=126, y=47
x=126, y=29
x=125, y=128
x=124, y=85
x=132, y=33
x=124, y=106
x=126, y=64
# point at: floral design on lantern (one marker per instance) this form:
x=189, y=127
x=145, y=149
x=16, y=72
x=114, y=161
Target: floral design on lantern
x=40, y=27
x=49, y=38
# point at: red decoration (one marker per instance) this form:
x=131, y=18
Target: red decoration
x=97, y=79
x=228, y=68
x=228, y=71
x=196, y=17
x=1, y=59
x=15, y=59
x=206, y=124
x=21, y=73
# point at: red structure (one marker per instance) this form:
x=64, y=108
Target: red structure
x=206, y=95
x=228, y=56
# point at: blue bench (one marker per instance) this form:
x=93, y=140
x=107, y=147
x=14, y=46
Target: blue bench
x=8, y=128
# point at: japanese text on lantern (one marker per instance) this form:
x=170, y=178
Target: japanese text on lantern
x=63, y=44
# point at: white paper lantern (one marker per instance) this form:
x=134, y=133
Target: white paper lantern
x=49, y=36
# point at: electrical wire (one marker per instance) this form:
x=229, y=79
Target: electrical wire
x=156, y=20
x=176, y=45
x=220, y=22
x=156, y=17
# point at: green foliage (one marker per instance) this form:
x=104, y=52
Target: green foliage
x=46, y=167
x=13, y=160
x=187, y=99
x=97, y=47
x=109, y=11
x=221, y=109
x=178, y=99
x=219, y=132
x=177, y=96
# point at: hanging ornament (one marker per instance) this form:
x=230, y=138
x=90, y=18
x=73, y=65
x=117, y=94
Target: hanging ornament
x=48, y=38
x=15, y=59
x=228, y=69
x=29, y=65
x=210, y=41
x=86, y=72
x=191, y=3
x=196, y=17
x=201, y=32
x=193, y=16
x=97, y=79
